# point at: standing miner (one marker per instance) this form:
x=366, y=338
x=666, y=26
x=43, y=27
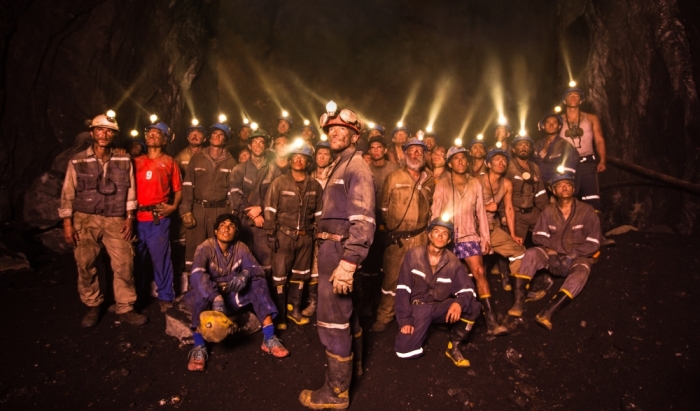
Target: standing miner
x=205, y=190
x=292, y=205
x=406, y=201
x=98, y=202
x=552, y=151
x=347, y=228
x=568, y=234
x=157, y=177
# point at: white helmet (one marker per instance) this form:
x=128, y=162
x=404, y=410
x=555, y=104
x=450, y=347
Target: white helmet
x=104, y=122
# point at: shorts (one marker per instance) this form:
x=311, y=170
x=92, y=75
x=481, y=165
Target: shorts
x=467, y=249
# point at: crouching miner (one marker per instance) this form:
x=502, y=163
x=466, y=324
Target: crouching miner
x=568, y=234
x=434, y=287
x=225, y=276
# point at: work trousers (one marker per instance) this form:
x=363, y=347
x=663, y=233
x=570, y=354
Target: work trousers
x=410, y=345
x=393, y=258
x=336, y=319
x=503, y=244
x=537, y=259
x=292, y=255
x=154, y=240
x=587, y=184
x=205, y=217
x=255, y=293
x=92, y=229
x=525, y=222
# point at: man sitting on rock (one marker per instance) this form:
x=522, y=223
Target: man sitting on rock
x=225, y=275
x=434, y=287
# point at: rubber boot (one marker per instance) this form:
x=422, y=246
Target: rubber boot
x=357, y=346
x=296, y=288
x=458, y=335
x=505, y=273
x=313, y=299
x=521, y=287
x=335, y=392
x=492, y=325
x=281, y=304
x=559, y=301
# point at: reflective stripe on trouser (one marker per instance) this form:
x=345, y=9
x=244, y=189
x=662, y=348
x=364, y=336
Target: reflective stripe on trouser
x=335, y=318
x=526, y=222
x=92, y=228
x=204, y=229
x=536, y=258
x=154, y=240
x=587, y=184
x=410, y=345
x=393, y=257
x=292, y=255
x=503, y=244
x=255, y=293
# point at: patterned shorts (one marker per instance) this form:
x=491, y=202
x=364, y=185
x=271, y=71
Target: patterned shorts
x=467, y=249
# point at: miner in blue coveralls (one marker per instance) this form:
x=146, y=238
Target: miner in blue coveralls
x=346, y=230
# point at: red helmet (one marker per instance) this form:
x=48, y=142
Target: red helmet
x=346, y=118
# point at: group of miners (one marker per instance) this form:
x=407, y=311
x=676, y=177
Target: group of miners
x=263, y=218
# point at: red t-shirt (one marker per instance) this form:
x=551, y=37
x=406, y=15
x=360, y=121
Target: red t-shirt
x=155, y=180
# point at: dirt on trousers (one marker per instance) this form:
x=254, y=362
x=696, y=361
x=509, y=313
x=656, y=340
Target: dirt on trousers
x=628, y=342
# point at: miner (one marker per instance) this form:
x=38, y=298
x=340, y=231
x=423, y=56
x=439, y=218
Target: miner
x=205, y=189
x=552, y=151
x=461, y=197
x=281, y=154
x=308, y=133
x=225, y=278
x=235, y=146
x=346, y=229
x=501, y=133
x=292, y=204
x=399, y=136
x=430, y=139
x=434, y=287
x=196, y=137
x=98, y=205
x=157, y=179
x=439, y=163
x=477, y=154
x=568, y=235
x=284, y=123
x=405, y=205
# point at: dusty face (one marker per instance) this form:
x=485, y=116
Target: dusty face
x=340, y=138
x=563, y=189
x=501, y=133
x=323, y=157
x=430, y=142
x=299, y=162
x=459, y=163
x=415, y=160
x=195, y=138
x=243, y=156
x=257, y=146
x=400, y=137
x=522, y=150
x=103, y=137
x=244, y=133
x=572, y=99
x=135, y=150
x=498, y=164
x=217, y=139
x=551, y=125
x=281, y=144
x=225, y=232
x=478, y=151
x=283, y=126
x=367, y=158
x=377, y=151
x=307, y=134
x=374, y=133
x=439, y=237
x=155, y=138
x=438, y=157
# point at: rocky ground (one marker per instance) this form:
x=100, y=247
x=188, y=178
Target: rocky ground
x=628, y=342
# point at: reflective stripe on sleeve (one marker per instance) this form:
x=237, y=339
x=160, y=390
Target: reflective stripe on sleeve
x=593, y=240
x=518, y=257
x=590, y=198
x=361, y=217
x=186, y=183
x=539, y=193
x=274, y=210
x=197, y=270
x=466, y=290
x=542, y=233
x=420, y=273
x=403, y=287
x=236, y=190
x=388, y=292
x=318, y=212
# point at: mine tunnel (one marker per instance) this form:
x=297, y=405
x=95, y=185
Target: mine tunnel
x=455, y=68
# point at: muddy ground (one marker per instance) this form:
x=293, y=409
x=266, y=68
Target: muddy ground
x=630, y=341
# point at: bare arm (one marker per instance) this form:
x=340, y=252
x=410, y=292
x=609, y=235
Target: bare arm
x=599, y=141
x=510, y=212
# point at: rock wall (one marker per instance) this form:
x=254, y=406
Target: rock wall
x=638, y=62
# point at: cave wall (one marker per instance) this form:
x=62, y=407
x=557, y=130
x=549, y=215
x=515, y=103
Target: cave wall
x=67, y=61
x=638, y=62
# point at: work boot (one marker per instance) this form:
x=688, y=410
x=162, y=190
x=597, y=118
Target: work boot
x=559, y=301
x=458, y=335
x=296, y=288
x=165, y=305
x=313, y=299
x=357, y=354
x=505, y=273
x=197, y=358
x=274, y=346
x=379, y=326
x=492, y=325
x=91, y=317
x=132, y=318
x=281, y=304
x=335, y=392
x=521, y=287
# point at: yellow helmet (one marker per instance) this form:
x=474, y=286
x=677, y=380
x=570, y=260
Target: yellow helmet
x=215, y=326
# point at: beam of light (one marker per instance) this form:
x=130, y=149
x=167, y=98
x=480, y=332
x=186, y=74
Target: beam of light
x=522, y=132
x=225, y=80
x=523, y=83
x=410, y=100
x=489, y=120
x=494, y=81
x=442, y=88
x=480, y=95
x=567, y=61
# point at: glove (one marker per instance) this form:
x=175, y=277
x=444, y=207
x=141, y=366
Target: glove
x=188, y=221
x=565, y=265
x=342, y=277
x=218, y=305
x=559, y=266
x=238, y=283
x=273, y=242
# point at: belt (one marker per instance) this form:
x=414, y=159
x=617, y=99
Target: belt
x=212, y=204
x=295, y=233
x=406, y=234
x=416, y=302
x=330, y=236
x=147, y=208
x=527, y=210
x=588, y=159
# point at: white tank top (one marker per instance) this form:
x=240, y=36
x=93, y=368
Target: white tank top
x=583, y=144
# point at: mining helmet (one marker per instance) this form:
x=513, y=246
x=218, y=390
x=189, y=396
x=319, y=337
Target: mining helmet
x=573, y=90
x=377, y=139
x=456, y=150
x=503, y=124
x=160, y=126
x=300, y=147
x=519, y=137
x=497, y=152
x=379, y=128
x=223, y=127
x=442, y=222
x=400, y=128
x=346, y=118
x=260, y=133
x=310, y=127
x=540, y=125
x=414, y=141
x=562, y=174
x=477, y=140
x=105, y=121
x=431, y=134
x=215, y=326
x=198, y=127
x=288, y=119
x=322, y=144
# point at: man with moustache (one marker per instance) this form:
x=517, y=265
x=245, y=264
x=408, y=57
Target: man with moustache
x=477, y=153
x=552, y=151
x=405, y=206
x=395, y=153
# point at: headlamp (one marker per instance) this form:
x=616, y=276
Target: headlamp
x=399, y=124
x=499, y=144
x=306, y=122
x=429, y=129
x=284, y=113
x=298, y=143
x=253, y=126
x=572, y=83
x=195, y=122
x=420, y=134
x=557, y=109
x=110, y=115
x=445, y=217
x=222, y=118
x=561, y=169
x=245, y=120
x=324, y=137
x=522, y=132
x=331, y=108
x=153, y=118
x=480, y=136
x=502, y=120
x=458, y=142
x=134, y=133
x=370, y=125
